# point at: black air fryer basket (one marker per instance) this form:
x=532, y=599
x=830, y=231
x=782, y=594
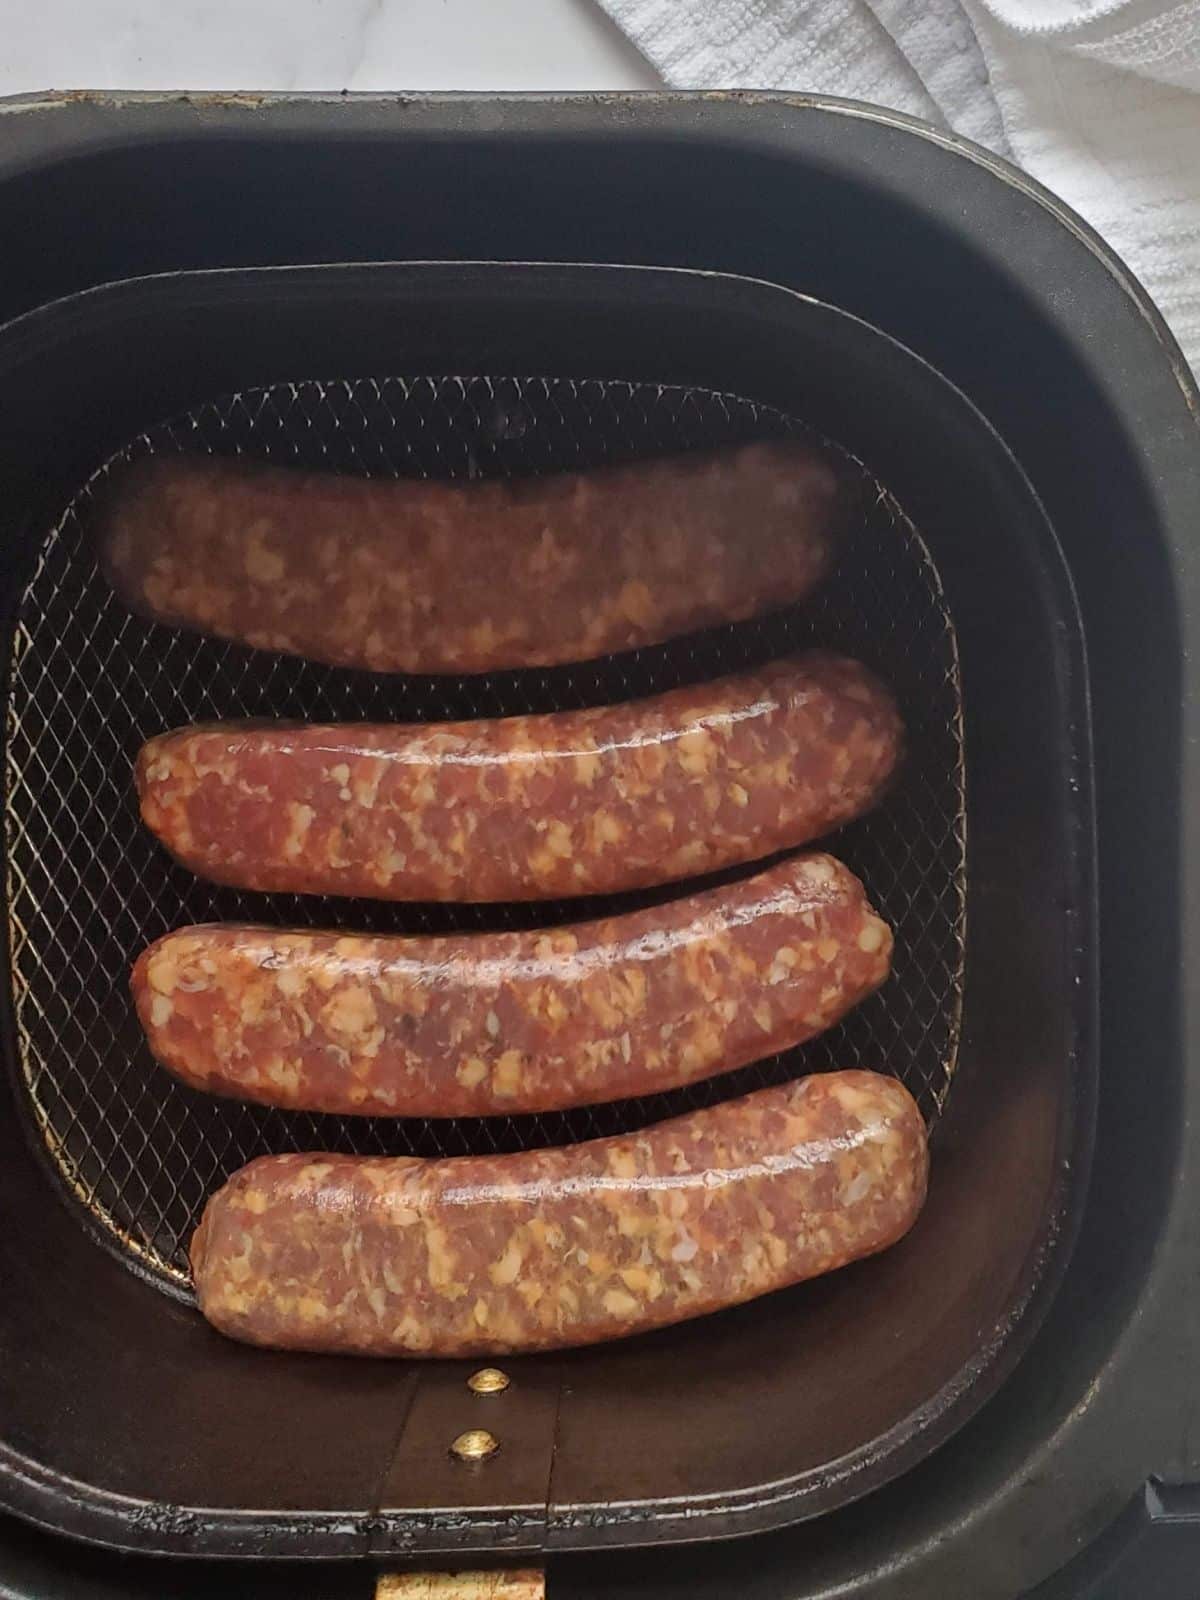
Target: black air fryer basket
x=475, y=287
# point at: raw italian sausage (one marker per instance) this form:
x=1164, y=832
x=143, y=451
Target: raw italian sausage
x=494, y=1254
x=410, y=576
x=529, y=807
x=488, y=1023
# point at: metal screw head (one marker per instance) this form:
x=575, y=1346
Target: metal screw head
x=488, y=1380
x=477, y=1444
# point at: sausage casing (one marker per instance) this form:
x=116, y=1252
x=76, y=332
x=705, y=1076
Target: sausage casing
x=411, y=576
x=482, y=1024
x=490, y=1255
x=528, y=807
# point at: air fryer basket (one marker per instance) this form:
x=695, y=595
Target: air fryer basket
x=792, y=1405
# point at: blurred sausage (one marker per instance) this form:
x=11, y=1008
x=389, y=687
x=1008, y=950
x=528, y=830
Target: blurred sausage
x=412, y=576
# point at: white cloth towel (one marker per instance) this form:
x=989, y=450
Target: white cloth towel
x=1099, y=99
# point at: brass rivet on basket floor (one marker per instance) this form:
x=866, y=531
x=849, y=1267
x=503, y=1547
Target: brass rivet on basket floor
x=488, y=1380
x=477, y=1444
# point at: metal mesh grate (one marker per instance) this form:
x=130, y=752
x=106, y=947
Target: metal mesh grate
x=88, y=887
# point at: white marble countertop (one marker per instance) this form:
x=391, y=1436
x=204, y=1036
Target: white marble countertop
x=314, y=44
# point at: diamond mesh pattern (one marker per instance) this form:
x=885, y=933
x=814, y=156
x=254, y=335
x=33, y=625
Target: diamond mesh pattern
x=88, y=887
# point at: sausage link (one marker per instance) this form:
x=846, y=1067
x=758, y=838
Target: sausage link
x=411, y=576
x=528, y=807
x=489, y=1255
x=494, y=1023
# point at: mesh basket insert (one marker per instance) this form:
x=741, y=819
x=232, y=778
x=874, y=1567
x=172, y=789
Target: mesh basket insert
x=88, y=887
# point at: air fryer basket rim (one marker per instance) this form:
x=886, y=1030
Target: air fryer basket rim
x=501, y=285
x=1119, y=1416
